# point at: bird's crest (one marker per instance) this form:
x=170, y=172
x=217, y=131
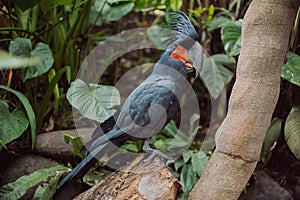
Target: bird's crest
x=179, y=22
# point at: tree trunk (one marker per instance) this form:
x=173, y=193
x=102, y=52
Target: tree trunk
x=265, y=39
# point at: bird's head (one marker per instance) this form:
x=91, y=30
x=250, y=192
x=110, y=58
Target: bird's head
x=184, y=45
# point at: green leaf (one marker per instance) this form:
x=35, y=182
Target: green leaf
x=271, y=137
x=187, y=155
x=231, y=35
x=175, y=4
x=171, y=129
x=12, y=124
x=93, y=177
x=178, y=163
x=291, y=69
x=199, y=161
x=8, y=61
x=188, y=178
x=131, y=147
x=48, y=4
x=47, y=190
x=292, y=131
x=222, y=60
x=219, y=20
x=211, y=77
x=24, y=5
x=93, y=101
x=29, y=111
x=76, y=142
x=193, y=130
x=21, y=47
x=109, y=12
x=17, y=189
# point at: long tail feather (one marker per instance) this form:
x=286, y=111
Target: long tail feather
x=84, y=166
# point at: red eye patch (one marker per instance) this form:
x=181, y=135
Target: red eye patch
x=181, y=54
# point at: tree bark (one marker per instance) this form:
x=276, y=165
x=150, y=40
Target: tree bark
x=138, y=181
x=265, y=38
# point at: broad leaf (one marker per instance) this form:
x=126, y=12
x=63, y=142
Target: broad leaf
x=102, y=11
x=187, y=155
x=199, y=161
x=178, y=163
x=211, y=77
x=46, y=191
x=8, y=61
x=21, y=47
x=12, y=125
x=271, y=137
x=188, y=178
x=76, y=142
x=17, y=189
x=222, y=60
x=219, y=20
x=291, y=69
x=93, y=101
x=231, y=35
x=29, y=111
x=292, y=131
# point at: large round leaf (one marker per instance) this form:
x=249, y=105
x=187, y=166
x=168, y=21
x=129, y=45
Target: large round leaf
x=231, y=35
x=21, y=47
x=12, y=125
x=93, y=101
x=292, y=131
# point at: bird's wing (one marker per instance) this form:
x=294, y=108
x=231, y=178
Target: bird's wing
x=150, y=104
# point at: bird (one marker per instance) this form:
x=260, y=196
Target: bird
x=153, y=103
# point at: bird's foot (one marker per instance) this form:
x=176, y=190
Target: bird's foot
x=155, y=153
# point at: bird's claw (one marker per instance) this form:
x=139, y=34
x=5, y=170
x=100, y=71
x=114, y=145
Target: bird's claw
x=156, y=153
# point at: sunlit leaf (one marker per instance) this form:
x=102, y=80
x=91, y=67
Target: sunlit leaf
x=291, y=69
x=93, y=101
x=231, y=35
x=292, y=131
